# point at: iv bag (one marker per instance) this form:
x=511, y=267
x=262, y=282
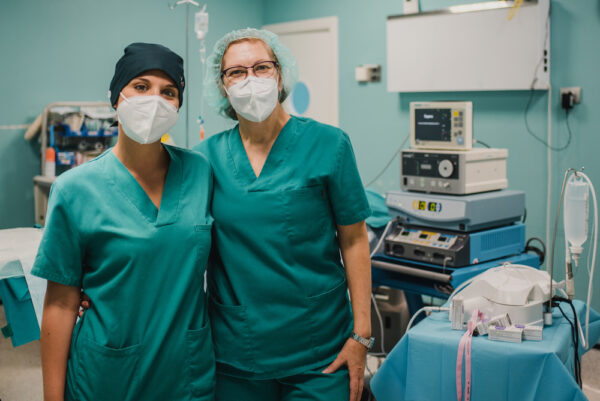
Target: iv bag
x=201, y=23
x=576, y=213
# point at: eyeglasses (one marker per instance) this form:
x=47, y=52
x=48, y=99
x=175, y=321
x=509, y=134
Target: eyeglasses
x=262, y=69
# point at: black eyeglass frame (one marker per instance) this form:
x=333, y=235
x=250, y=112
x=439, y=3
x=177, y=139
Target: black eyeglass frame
x=275, y=64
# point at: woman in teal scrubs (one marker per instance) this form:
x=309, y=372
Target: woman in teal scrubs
x=287, y=201
x=133, y=223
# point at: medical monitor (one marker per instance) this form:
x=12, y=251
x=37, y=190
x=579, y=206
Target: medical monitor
x=441, y=125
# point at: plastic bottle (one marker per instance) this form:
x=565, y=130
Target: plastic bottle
x=576, y=215
x=50, y=166
x=201, y=23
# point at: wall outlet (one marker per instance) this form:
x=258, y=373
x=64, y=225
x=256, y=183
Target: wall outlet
x=575, y=90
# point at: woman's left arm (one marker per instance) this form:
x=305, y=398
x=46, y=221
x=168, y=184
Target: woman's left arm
x=354, y=245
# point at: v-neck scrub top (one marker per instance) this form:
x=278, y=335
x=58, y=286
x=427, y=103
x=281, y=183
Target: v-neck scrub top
x=146, y=335
x=278, y=294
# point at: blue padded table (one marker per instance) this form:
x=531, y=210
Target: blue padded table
x=422, y=366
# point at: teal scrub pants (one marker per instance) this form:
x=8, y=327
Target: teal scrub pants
x=310, y=386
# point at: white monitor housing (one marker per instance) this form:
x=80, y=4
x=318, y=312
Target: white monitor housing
x=441, y=125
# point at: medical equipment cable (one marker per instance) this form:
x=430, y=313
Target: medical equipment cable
x=549, y=146
x=426, y=309
x=397, y=152
x=574, y=335
x=377, y=312
x=540, y=252
x=483, y=143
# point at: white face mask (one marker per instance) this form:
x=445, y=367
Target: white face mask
x=145, y=119
x=254, y=98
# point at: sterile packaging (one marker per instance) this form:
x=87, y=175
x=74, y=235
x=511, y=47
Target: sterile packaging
x=509, y=334
x=456, y=314
x=500, y=320
x=532, y=333
x=482, y=327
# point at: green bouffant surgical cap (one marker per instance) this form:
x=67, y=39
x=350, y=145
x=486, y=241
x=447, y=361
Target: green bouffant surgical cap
x=213, y=85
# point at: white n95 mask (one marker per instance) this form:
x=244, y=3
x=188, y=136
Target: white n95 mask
x=254, y=98
x=145, y=119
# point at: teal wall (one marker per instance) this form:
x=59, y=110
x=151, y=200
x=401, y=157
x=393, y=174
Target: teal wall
x=377, y=121
x=66, y=50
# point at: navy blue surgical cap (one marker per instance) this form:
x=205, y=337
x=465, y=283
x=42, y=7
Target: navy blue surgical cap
x=142, y=57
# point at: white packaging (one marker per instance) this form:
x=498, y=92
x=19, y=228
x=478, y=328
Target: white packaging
x=500, y=320
x=457, y=313
x=509, y=334
x=532, y=333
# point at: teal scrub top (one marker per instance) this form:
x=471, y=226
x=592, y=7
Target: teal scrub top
x=146, y=335
x=278, y=294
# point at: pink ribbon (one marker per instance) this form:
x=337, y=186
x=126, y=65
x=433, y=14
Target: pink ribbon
x=465, y=347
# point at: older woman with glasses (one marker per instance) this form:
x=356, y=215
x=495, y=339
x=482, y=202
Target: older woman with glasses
x=287, y=201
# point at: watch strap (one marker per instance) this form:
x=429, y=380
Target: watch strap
x=366, y=342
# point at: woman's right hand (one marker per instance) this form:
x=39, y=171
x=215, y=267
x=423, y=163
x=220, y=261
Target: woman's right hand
x=84, y=303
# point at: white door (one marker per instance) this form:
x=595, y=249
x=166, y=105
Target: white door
x=314, y=42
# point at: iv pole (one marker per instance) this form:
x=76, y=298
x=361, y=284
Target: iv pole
x=187, y=61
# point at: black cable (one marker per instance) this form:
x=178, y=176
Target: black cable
x=524, y=215
x=443, y=288
x=557, y=149
x=540, y=252
x=575, y=369
x=576, y=364
x=577, y=339
x=568, y=126
x=574, y=336
x=483, y=143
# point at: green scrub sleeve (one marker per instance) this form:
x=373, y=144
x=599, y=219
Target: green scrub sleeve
x=60, y=254
x=346, y=192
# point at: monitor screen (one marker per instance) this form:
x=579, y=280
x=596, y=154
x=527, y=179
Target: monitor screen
x=433, y=125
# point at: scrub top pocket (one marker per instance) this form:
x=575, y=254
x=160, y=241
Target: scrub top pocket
x=331, y=318
x=230, y=326
x=106, y=374
x=200, y=362
x=307, y=213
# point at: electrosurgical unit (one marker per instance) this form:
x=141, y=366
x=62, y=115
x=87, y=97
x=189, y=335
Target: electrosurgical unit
x=454, y=172
x=441, y=125
x=454, y=249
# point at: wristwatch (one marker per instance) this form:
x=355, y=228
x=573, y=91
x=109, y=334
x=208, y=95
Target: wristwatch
x=367, y=342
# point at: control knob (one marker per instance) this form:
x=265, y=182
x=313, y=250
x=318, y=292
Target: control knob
x=445, y=168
